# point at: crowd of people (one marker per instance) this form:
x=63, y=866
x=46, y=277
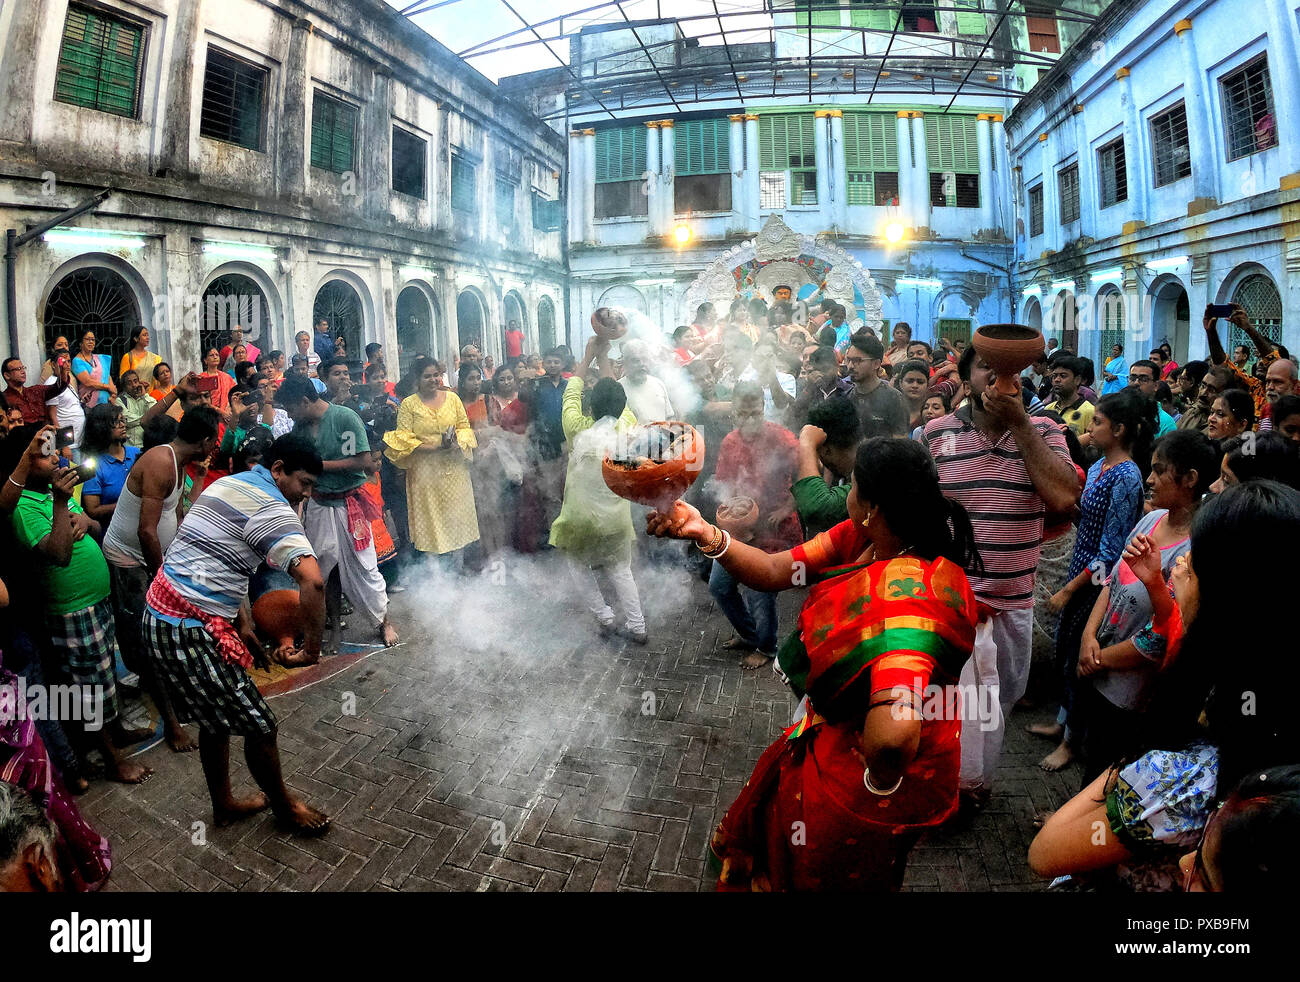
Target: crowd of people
x=940, y=524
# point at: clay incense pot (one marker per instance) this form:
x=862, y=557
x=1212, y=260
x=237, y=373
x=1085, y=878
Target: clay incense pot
x=655, y=463
x=275, y=605
x=609, y=331
x=738, y=515
x=1008, y=349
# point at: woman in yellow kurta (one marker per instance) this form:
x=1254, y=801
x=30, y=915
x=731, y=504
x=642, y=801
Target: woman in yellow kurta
x=434, y=443
x=139, y=358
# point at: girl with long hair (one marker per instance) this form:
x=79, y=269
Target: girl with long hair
x=883, y=634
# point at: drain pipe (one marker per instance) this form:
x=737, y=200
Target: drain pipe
x=15, y=241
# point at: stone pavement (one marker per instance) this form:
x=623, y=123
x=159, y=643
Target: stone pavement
x=522, y=752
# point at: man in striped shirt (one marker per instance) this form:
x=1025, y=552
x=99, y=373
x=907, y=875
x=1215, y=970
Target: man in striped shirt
x=1008, y=469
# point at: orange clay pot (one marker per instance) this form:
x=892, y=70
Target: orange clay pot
x=1008, y=349
x=608, y=332
x=275, y=606
x=738, y=516
x=656, y=479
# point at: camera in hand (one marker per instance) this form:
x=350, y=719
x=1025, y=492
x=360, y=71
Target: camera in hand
x=1220, y=310
x=65, y=437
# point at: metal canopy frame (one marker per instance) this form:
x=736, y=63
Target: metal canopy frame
x=950, y=65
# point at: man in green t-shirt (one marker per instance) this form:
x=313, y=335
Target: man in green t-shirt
x=338, y=516
x=829, y=441
x=75, y=588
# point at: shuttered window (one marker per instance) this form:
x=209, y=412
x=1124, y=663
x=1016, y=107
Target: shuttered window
x=969, y=19
x=812, y=13
x=232, y=100
x=333, y=133
x=464, y=183
x=505, y=201
x=952, y=156
x=875, y=20
x=1036, y=211
x=409, y=156
x=99, y=62
x=1041, y=25
x=702, y=146
x=1067, y=181
x=620, y=154
x=546, y=213
x=871, y=157
x=1112, y=173
x=785, y=143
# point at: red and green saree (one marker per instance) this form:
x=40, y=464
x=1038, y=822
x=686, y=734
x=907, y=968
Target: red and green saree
x=805, y=820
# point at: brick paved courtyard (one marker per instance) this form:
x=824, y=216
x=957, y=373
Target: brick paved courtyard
x=527, y=764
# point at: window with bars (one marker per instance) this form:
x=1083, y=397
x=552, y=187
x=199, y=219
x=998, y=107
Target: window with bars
x=1036, y=210
x=464, y=183
x=951, y=190
x=1259, y=298
x=786, y=143
x=546, y=213
x=505, y=200
x=622, y=199
x=702, y=192
x=871, y=158
x=919, y=17
x=813, y=13
x=1112, y=173
x=410, y=154
x=1043, y=35
x=954, y=329
x=1171, y=153
x=1110, y=315
x=333, y=133
x=233, y=95
x=771, y=190
x=99, y=62
x=1067, y=183
x=1248, y=122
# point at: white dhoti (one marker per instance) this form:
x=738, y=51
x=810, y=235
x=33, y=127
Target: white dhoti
x=997, y=674
x=359, y=576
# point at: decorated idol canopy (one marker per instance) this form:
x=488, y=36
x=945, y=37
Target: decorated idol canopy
x=780, y=256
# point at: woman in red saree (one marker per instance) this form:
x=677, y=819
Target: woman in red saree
x=838, y=801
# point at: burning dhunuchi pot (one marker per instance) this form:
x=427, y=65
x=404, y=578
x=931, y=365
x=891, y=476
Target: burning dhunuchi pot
x=656, y=464
x=738, y=515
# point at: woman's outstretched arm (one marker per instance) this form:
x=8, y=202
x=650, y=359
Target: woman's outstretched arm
x=755, y=568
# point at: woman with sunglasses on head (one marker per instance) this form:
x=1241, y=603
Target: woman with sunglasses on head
x=1217, y=664
x=1249, y=843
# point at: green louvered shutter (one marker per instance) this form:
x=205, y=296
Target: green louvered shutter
x=620, y=154
x=950, y=144
x=702, y=146
x=808, y=11
x=870, y=147
x=970, y=21
x=333, y=134
x=785, y=142
x=875, y=20
x=99, y=62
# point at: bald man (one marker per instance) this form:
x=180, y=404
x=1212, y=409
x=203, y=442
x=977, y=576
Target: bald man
x=1282, y=380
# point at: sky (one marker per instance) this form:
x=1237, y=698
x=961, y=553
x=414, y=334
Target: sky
x=462, y=24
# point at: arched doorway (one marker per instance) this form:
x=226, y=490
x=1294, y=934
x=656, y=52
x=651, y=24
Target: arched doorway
x=1034, y=314
x=415, y=327
x=338, y=303
x=93, y=299
x=1064, y=323
x=1170, y=320
x=230, y=300
x=1110, y=323
x=546, y=324
x=470, y=319
x=1259, y=297
x=514, y=311
x=625, y=297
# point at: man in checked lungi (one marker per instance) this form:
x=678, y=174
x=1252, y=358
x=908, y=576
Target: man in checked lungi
x=198, y=630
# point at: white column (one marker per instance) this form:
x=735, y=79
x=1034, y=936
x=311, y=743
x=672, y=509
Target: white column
x=578, y=180
x=905, y=175
x=921, y=175
x=821, y=144
x=651, y=180
x=1200, y=138
x=667, y=197
x=1135, y=158
x=1088, y=204
x=589, y=186
x=753, y=212
x=1285, y=77
x=1003, y=183
x=740, y=203
x=984, y=148
x=1051, y=192
x=839, y=176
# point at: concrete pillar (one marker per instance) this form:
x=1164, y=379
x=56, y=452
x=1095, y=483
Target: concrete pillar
x=1003, y=182
x=176, y=329
x=386, y=309
x=589, y=185
x=1284, y=69
x=753, y=214
x=295, y=137
x=299, y=296
x=1051, y=193
x=1136, y=165
x=740, y=203
x=1200, y=133
x=921, y=176
x=839, y=175
x=577, y=181
x=377, y=135
x=442, y=168
x=18, y=80
x=1087, y=175
x=821, y=145
x=174, y=129
x=984, y=147
x=650, y=182
x=906, y=177
x=668, y=174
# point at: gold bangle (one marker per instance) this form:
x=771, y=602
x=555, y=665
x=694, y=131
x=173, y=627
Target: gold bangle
x=713, y=542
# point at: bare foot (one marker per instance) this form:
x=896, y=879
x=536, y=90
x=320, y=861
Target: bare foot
x=122, y=737
x=735, y=643
x=1042, y=818
x=237, y=808
x=302, y=819
x=129, y=773
x=1057, y=759
x=1051, y=731
x=754, y=660
x=180, y=741
x=297, y=659
x=389, y=634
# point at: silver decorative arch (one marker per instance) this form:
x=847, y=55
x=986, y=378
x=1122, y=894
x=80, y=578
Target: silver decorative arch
x=777, y=245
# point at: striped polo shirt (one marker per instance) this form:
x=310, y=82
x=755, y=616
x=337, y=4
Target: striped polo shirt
x=238, y=523
x=991, y=482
